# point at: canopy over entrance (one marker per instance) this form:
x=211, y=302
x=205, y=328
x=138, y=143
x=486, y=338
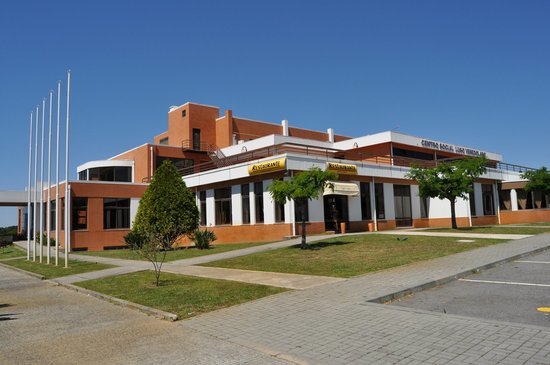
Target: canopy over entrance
x=342, y=188
x=13, y=198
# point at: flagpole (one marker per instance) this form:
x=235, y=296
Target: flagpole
x=29, y=194
x=35, y=215
x=42, y=180
x=57, y=177
x=48, y=204
x=67, y=189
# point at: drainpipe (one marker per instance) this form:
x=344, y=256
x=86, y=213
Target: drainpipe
x=151, y=172
x=497, y=200
x=373, y=206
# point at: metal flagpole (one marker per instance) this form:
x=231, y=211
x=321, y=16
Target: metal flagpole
x=57, y=177
x=67, y=190
x=35, y=214
x=29, y=194
x=41, y=194
x=49, y=201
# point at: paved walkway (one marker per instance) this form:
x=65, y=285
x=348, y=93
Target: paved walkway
x=499, y=236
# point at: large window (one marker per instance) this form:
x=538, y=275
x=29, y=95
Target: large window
x=111, y=173
x=202, y=198
x=472, y=200
x=222, y=199
x=505, y=200
x=80, y=213
x=279, y=212
x=116, y=213
x=424, y=207
x=259, y=201
x=366, y=213
x=301, y=211
x=488, y=199
x=245, y=201
x=400, y=152
x=52, y=215
x=83, y=175
x=183, y=165
x=379, y=200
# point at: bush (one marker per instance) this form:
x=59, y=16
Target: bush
x=45, y=239
x=134, y=240
x=203, y=239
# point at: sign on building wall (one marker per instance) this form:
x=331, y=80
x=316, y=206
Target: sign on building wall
x=342, y=168
x=451, y=148
x=267, y=166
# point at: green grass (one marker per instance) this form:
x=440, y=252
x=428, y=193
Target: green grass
x=184, y=295
x=352, y=255
x=11, y=251
x=179, y=254
x=51, y=271
x=497, y=229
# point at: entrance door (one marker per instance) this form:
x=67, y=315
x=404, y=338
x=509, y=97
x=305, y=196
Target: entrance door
x=403, y=209
x=336, y=211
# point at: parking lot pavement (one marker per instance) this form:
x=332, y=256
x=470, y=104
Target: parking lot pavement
x=512, y=292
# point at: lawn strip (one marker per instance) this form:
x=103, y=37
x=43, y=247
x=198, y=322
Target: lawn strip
x=495, y=230
x=177, y=254
x=185, y=296
x=349, y=256
x=51, y=271
x=11, y=251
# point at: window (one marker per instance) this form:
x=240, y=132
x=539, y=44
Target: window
x=400, y=152
x=62, y=217
x=202, y=198
x=424, y=207
x=164, y=141
x=379, y=200
x=183, y=113
x=488, y=199
x=183, y=165
x=279, y=212
x=83, y=175
x=366, y=213
x=112, y=173
x=301, y=211
x=80, y=213
x=259, y=201
x=505, y=200
x=472, y=199
x=245, y=199
x=222, y=198
x=116, y=213
x=52, y=215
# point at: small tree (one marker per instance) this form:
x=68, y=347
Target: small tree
x=539, y=180
x=448, y=180
x=305, y=185
x=166, y=212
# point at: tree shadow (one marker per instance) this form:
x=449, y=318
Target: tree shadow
x=5, y=305
x=8, y=316
x=319, y=245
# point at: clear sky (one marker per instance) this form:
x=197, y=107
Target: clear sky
x=475, y=73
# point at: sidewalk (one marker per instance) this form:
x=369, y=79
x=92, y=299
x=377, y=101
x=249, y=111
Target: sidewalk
x=338, y=324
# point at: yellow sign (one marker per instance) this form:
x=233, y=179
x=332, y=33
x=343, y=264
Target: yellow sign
x=267, y=166
x=342, y=168
x=544, y=309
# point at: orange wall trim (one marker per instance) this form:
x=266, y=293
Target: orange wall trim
x=525, y=216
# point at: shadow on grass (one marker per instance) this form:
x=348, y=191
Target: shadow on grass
x=320, y=245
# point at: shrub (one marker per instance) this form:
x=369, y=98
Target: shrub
x=203, y=239
x=45, y=239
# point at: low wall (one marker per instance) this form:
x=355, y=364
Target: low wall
x=524, y=216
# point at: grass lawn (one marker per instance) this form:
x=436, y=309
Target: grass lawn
x=352, y=255
x=11, y=251
x=178, y=254
x=186, y=296
x=51, y=271
x=497, y=229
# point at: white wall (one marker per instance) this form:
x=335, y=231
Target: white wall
x=389, y=204
x=316, y=210
x=236, y=205
x=134, y=205
x=354, y=206
x=478, y=199
x=210, y=208
x=269, y=204
x=415, y=202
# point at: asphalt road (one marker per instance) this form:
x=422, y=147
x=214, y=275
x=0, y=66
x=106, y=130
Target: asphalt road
x=512, y=292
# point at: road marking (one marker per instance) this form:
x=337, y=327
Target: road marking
x=503, y=282
x=533, y=262
x=544, y=309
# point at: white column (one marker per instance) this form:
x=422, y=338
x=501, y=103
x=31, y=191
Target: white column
x=415, y=202
x=284, y=124
x=514, y=199
x=389, y=205
x=210, y=208
x=374, y=213
x=236, y=205
x=269, y=204
x=316, y=210
x=134, y=205
x=478, y=199
x=252, y=202
x=330, y=133
x=354, y=206
x=496, y=199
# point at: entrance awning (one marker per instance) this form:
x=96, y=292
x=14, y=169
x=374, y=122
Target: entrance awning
x=342, y=188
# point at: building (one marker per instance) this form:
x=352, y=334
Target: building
x=229, y=163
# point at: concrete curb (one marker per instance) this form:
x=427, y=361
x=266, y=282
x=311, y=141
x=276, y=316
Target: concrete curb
x=431, y=284
x=34, y=275
x=121, y=302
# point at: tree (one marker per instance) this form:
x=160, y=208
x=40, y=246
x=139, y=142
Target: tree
x=448, y=180
x=304, y=185
x=539, y=180
x=166, y=212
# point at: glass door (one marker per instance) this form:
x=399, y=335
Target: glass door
x=403, y=209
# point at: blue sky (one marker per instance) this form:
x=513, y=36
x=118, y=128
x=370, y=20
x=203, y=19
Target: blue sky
x=475, y=73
